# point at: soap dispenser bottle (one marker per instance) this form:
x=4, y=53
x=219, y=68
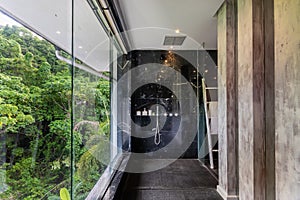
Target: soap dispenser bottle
x=144, y=113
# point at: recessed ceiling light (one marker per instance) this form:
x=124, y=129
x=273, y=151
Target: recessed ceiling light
x=206, y=71
x=80, y=47
x=177, y=31
x=215, y=77
x=58, y=32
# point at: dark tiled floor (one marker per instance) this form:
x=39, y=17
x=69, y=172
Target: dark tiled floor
x=185, y=179
x=214, y=171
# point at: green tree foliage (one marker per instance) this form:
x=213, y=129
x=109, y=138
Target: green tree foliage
x=35, y=124
x=15, y=99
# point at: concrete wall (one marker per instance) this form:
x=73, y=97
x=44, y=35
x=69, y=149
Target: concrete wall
x=222, y=131
x=268, y=66
x=268, y=77
x=227, y=106
x=287, y=98
x=245, y=100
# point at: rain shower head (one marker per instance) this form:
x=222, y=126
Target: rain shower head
x=174, y=40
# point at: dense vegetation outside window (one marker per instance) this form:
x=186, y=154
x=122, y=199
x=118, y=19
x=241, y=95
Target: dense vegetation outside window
x=35, y=125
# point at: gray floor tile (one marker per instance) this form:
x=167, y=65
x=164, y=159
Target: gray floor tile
x=182, y=180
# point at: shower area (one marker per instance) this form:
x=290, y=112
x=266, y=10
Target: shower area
x=161, y=92
x=161, y=111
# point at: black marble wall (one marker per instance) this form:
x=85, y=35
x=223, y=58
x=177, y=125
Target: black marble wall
x=150, y=95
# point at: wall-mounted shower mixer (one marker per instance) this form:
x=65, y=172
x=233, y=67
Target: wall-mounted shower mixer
x=155, y=112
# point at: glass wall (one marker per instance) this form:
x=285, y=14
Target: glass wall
x=56, y=127
x=95, y=54
x=35, y=116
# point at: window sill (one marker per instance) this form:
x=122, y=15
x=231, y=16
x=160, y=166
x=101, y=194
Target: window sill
x=106, y=187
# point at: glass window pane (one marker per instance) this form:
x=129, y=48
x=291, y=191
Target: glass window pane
x=35, y=110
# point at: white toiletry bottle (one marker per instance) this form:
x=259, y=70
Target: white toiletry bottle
x=144, y=113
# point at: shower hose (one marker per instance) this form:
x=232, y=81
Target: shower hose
x=157, y=138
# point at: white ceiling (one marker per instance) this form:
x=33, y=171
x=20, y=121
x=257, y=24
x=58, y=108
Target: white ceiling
x=148, y=21
x=52, y=20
